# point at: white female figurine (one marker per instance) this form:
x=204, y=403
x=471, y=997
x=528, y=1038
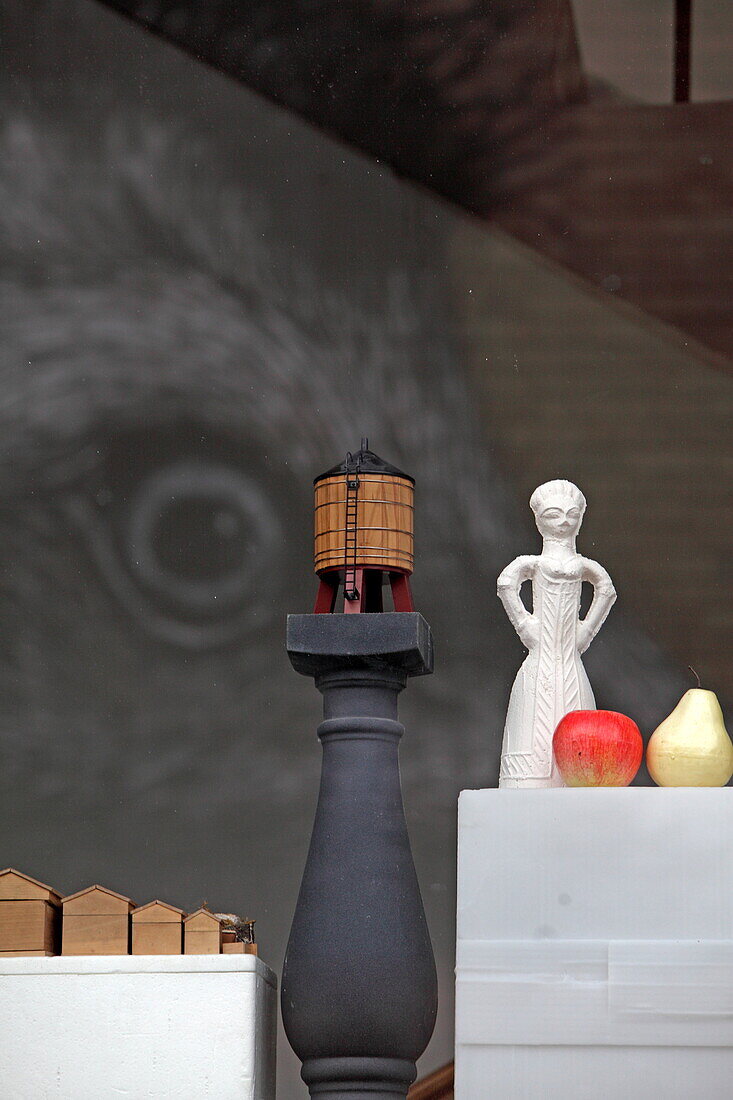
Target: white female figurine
x=552, y=680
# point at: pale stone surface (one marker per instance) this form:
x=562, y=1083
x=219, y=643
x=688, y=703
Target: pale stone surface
x=594, y=943
x=154, y=1027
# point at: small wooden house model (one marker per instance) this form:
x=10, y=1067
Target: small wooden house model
x=237, y=936
x=96, y=921
x=29, y=915
x=202, y=933
x=157, y=929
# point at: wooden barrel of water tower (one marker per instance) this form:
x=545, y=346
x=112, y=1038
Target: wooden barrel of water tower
x=384, y=523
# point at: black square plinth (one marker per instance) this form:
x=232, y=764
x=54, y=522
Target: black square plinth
x=398, y=641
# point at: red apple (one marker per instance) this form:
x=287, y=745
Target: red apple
x=597, y=748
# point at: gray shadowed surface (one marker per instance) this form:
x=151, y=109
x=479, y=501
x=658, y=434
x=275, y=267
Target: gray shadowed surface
x=203, y=305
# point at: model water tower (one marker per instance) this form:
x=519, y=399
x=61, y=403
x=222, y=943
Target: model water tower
x=364, y=533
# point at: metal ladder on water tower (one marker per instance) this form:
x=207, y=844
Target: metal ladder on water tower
x=351, y=592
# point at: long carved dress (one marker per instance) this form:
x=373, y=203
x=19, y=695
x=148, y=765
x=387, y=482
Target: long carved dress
x=552, y=680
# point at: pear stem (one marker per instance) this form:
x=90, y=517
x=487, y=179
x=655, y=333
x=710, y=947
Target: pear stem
x=695, y=675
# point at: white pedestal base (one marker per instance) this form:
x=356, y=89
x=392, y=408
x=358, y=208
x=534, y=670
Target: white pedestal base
x=144, y=1027
x=595, y=944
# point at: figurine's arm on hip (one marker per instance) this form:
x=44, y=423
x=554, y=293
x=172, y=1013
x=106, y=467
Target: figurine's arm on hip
x=507, y=589
x=604, y=597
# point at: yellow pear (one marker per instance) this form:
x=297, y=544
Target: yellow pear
x=691, y=748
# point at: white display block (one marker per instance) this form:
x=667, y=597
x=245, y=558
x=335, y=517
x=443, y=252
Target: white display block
x=145, y=1027
x=595, y=944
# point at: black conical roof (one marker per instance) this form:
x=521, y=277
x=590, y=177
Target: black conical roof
x=366, y=462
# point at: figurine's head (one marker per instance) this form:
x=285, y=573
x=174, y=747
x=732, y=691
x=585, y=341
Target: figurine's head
x=558, y=508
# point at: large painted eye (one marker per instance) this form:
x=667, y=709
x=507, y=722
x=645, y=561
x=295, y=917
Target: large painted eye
x=186, y=535
x=194, y=534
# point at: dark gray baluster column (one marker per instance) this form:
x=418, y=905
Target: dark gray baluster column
x=359, y=988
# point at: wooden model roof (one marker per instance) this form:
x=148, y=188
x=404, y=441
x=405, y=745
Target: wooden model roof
x=17, y=886
x=202, y=917
x=97, y=899
x=158, y=912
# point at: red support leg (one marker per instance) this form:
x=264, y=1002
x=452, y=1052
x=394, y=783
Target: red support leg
x=368, y=583
x=401, y=594
x=326, y=598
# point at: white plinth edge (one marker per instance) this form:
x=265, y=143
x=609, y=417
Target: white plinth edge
x=144, y=1027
